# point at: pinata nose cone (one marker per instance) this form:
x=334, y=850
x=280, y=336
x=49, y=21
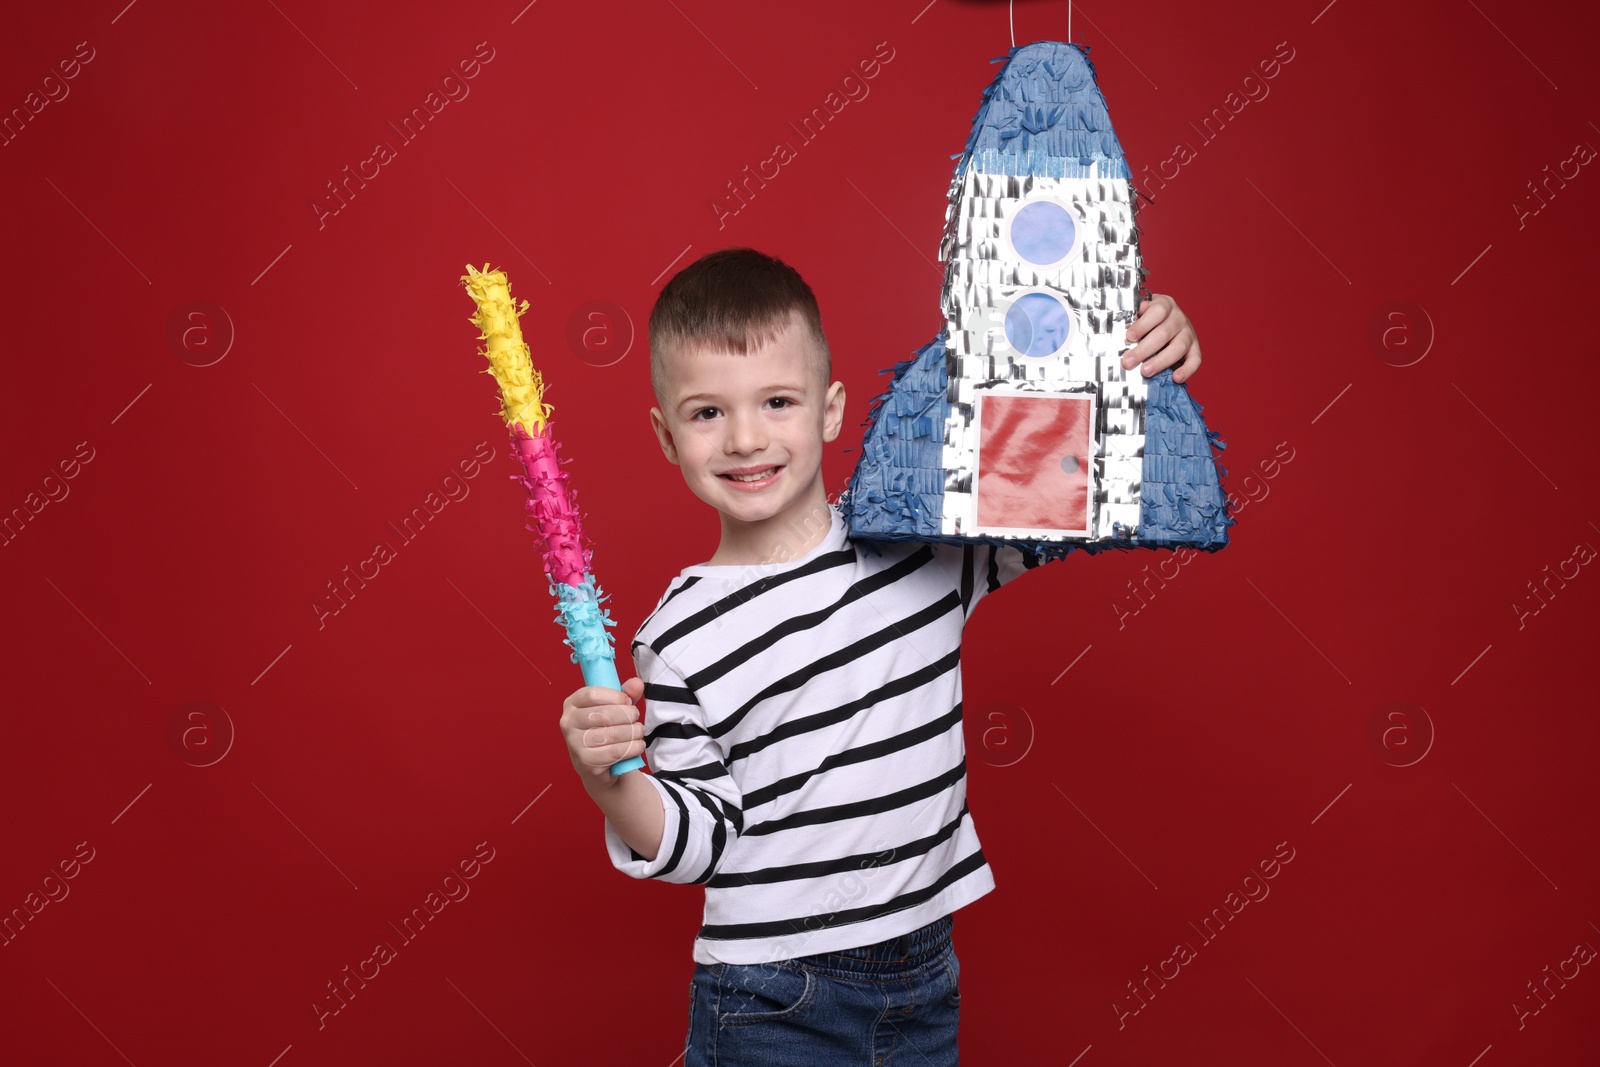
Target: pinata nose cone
x=1044, y=103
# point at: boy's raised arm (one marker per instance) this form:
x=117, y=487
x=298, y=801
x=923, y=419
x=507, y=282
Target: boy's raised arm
x=983, y=568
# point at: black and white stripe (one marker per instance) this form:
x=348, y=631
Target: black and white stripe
x=803, y=727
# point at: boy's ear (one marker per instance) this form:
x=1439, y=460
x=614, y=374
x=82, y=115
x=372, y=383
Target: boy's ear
x=833, y=411
x=658, y=423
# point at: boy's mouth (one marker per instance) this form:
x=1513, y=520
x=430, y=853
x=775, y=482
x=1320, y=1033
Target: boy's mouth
x=751, y=477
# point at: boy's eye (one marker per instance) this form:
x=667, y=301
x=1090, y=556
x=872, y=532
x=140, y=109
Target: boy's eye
x=709, y=412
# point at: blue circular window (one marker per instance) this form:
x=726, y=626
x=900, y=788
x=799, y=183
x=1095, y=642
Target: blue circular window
x=1037, y=324
x=1043, y=232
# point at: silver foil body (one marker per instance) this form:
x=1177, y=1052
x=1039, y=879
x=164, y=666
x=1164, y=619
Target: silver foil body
x=1099, y=285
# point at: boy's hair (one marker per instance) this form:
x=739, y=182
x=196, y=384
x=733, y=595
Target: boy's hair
x=732, y=300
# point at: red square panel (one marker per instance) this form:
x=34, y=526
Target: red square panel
x=1034, y=453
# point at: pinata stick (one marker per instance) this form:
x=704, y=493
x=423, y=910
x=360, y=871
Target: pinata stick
x=551, y=511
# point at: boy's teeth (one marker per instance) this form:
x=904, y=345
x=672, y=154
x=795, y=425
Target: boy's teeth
x=756, y=477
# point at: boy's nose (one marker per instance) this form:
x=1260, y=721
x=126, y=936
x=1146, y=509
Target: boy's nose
x=745, y=434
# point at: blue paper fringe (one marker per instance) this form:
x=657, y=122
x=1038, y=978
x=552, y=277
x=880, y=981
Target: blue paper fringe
x=1043, y=114
x=579, y=612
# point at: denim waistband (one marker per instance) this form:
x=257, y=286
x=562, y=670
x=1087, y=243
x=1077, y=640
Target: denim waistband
x=907, y=953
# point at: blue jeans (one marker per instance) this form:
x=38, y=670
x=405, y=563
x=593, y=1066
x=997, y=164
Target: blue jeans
x=893, y=1003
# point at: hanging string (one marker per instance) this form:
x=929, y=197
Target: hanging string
x=1010, y=13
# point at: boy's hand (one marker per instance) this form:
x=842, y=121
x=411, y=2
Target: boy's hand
x=601, y=726
x=1165, y=338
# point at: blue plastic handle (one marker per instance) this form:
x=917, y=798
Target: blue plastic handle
x=604, y=672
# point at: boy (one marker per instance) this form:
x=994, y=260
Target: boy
x=803, y=701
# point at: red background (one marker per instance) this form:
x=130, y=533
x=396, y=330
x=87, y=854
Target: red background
x=1393, y=515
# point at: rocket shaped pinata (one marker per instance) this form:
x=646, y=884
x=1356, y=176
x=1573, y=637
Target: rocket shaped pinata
x=1017, y=424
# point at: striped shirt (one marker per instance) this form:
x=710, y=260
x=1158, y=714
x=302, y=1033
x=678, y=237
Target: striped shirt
x=803, y=728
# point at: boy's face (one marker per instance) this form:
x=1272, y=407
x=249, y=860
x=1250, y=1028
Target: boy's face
x=764, y=415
